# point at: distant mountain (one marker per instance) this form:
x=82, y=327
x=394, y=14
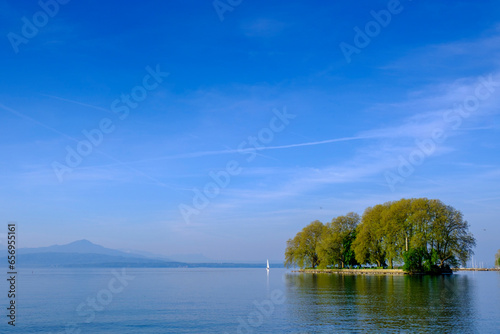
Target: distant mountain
x=80, y=247
x=79, y=260
x=85, y=254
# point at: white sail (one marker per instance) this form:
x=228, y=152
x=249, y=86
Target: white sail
x=267, y=265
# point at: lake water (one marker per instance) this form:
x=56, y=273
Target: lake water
x=251, y=301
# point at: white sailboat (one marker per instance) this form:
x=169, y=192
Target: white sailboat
x=267, y=268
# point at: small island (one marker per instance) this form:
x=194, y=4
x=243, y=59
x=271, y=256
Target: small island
x=410, y=236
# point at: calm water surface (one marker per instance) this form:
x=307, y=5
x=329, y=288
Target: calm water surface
x=251, y=301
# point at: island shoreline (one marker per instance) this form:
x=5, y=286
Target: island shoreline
x=382, y=271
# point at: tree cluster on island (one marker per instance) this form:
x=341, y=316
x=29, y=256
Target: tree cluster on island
x=497, y=259
x=419, y=234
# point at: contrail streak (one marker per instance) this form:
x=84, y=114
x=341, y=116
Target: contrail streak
x=232, y=151
x=79, y=103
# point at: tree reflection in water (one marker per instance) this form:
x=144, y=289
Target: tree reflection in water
x=331, y=302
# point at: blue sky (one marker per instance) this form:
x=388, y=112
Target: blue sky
x=414, y=112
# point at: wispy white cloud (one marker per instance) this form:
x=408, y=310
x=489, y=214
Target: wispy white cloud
x=199, y=154
x=379, y=148
x=79, y=103
x=37, y=122
x=467, y=53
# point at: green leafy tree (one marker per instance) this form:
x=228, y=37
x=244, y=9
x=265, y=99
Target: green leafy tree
x=497, y=259
x=414, y=260
x=419, y=223
x=451, y=237
x=301, y=250
x=328, y=249
x=396, y=229
x=349, y=256
x=428, y=226
x=424, y=234
x=430, y=262
x=419, y=260
x=335, y=247
x=368, y=245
